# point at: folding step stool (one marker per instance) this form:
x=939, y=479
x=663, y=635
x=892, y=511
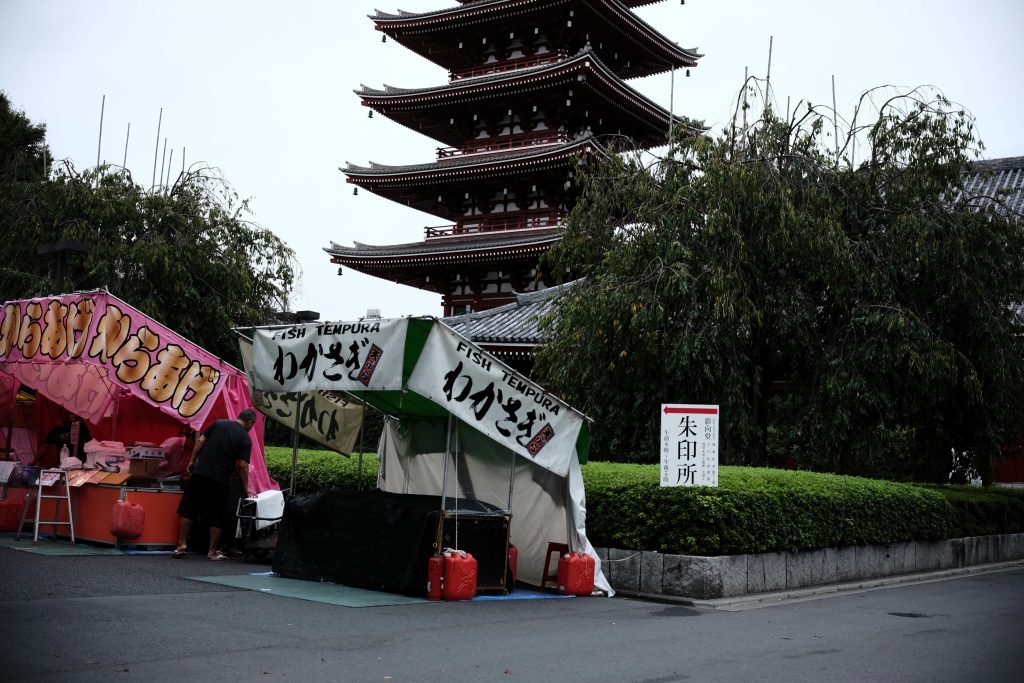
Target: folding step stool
x=62, y=480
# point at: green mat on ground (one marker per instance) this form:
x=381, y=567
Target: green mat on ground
x=330, y=593
x=50, y=547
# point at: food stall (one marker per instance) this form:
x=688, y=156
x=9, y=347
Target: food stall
x=137, y=385
x=473, y=456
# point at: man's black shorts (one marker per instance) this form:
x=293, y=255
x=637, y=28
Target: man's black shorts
x=204, y=500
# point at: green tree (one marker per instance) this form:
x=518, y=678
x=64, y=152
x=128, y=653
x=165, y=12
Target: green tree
x=23, y=150
x=23, y=153
x=186, y=254
x=851, y=314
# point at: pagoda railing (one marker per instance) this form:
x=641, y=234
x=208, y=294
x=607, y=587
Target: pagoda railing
x=504, y=143
x=509, y=65
x=533, y=219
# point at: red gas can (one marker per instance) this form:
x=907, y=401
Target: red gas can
x=10, y=514
x=127, y=519
x=459, y=576
x=435, y=577
x=576, y=574
x=513, y=560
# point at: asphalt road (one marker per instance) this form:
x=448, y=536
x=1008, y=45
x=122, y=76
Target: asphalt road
x=104, y=618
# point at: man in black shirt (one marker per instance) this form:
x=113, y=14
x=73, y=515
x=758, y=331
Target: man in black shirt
x=221, y=453
x=59, y=437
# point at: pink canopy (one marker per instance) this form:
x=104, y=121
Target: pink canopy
x=127, y=375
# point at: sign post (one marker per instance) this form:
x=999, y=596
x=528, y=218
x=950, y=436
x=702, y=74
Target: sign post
x=689, y=445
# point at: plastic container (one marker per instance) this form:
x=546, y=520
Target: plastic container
x=513, y=561
x=459, y=576
x=576, y=574
x=435, y=576
x=127, y=520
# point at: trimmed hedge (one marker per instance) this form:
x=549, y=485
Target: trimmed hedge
x=755, y=510
x=980, y=512
x=752, y=510
x=320, y=470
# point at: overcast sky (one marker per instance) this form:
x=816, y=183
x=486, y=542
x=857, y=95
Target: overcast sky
x=263, y=91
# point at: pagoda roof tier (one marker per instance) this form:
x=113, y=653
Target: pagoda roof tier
x=600, y=100
x=420, y=185
x=413, y=263
x=631, y=46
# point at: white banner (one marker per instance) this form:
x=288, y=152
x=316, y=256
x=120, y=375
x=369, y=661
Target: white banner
x=340, y=356
x=476, y=388
x=689, y=445
x=325, y=417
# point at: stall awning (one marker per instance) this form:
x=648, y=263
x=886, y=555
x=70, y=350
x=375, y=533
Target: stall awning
x=419, y=368
x=90, y=351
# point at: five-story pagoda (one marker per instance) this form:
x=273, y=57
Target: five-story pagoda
x=533, y=85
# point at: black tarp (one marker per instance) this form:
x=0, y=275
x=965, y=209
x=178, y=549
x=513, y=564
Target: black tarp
x=368, y=539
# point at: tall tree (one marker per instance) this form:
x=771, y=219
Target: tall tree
x=186, y=254
x=874, y=293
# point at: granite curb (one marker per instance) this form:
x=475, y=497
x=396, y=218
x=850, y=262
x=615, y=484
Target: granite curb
x=653, y=574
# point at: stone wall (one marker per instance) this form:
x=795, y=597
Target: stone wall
x=707, y=578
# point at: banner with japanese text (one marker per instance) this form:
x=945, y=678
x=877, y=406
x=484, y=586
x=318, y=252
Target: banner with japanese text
x=332, y=356
x=479, y=390
x=689, y=445
x=326, y=417
x=82, y=349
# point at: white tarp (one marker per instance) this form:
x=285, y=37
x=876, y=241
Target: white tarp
x=482, y=392
x=544, y=505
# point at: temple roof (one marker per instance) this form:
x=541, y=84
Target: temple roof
x=434, y=34
x=604, y=101
x=471, y=164
x=435, y=251
x=418, y=185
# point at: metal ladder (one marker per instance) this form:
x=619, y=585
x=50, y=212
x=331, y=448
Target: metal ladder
x=62, y=480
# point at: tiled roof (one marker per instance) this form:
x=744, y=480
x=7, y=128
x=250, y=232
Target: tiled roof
x=442, y=246
x=494, y=159
x=509, y=83
x=515, y=323
x=657, y=40
x=998, y=180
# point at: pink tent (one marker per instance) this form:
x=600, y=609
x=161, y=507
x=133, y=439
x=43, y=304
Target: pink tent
x=128, y=376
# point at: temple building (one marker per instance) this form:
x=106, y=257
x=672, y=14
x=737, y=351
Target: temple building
x=534, y=85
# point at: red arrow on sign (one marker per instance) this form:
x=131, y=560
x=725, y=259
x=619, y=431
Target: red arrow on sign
x=691, y=411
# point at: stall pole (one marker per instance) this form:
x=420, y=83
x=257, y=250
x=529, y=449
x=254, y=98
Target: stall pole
x=295, y=444
x=511, y=480
x=447, y=454
x=570, y=528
